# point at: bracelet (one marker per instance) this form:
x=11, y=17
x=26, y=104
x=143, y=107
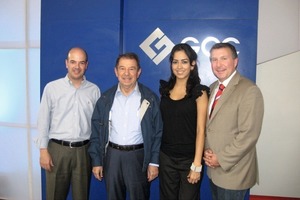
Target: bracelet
x=196, y=169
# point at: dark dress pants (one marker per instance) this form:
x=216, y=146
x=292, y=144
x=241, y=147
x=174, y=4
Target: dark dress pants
x=123, y=175
x=173, y=181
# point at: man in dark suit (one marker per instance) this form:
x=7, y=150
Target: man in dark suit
x=233, y=127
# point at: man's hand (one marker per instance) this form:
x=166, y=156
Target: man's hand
x=46, y=160
x=152, y=172
x=98, y=172
x=210, y=158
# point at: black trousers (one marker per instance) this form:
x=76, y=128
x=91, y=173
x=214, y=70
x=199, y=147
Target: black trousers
x=123, y=175
x=173, y=183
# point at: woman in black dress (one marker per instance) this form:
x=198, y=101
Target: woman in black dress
x=183, y=106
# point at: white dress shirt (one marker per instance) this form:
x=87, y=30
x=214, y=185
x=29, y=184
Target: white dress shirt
x=65, y=111
x=125, y=118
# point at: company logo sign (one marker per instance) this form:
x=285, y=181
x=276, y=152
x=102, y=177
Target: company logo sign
x=163, y=42
x=163, y=45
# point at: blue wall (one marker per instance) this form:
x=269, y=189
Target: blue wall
x=106, y=28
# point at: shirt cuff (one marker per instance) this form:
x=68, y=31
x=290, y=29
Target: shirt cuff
x=153, y=164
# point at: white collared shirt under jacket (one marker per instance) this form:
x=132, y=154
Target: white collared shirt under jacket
x=125, y=118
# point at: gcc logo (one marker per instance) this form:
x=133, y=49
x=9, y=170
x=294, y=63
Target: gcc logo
x=164, y=41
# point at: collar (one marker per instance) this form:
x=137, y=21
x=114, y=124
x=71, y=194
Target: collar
x=135, y=90
x=67, y=79
x=225, y=83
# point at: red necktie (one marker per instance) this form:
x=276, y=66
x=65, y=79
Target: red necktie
x=218, y=95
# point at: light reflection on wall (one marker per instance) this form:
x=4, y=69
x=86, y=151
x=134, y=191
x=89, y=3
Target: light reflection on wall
x=13, y=86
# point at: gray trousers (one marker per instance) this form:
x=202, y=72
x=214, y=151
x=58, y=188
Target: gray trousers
x=72, y=167
x=219, y=193
x=123, y=175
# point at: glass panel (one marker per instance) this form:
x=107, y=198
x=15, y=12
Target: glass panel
x=34, y=22
x=20, y=172
x=12, y=86
x=12, y=23
x=14, y=168
x=34, y=84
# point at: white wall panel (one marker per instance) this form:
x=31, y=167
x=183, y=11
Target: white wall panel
x=279, y=143
x=278, y=29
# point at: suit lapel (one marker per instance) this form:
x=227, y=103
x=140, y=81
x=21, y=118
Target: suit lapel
x=225, y=95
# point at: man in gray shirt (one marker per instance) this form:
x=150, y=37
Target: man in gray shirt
x=64, y=125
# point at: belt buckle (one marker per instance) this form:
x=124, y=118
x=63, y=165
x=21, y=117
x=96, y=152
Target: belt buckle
x=70, y=145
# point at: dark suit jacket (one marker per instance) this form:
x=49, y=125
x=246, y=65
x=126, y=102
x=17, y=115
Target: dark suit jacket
x=232, y=133
x=151, y=126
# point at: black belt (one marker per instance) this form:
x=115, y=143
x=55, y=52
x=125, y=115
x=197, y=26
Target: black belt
x=126, y=147
x=70, y=144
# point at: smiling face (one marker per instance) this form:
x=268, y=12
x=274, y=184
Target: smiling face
x=127, y=72
x=223, y=63
x=181, y=65
x=76, y=64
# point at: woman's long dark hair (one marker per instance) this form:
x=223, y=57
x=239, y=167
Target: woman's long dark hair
x=193, y=79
